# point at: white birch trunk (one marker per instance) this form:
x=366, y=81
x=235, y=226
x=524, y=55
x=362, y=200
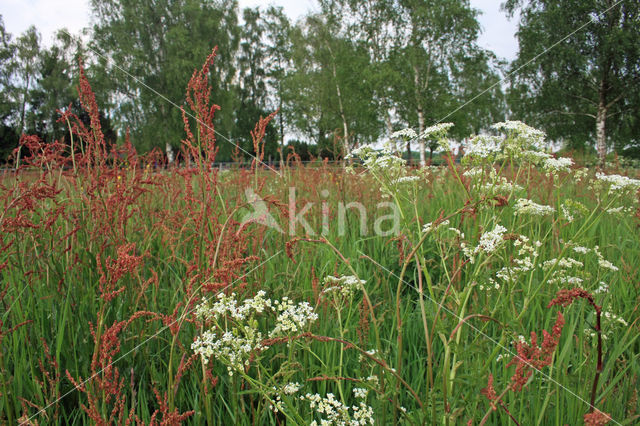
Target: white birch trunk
x=421, y=141
x=169, y=151
x=601, y=121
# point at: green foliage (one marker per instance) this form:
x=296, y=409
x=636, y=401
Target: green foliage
x=161, y=46
x=595, y=69
x=340, y=78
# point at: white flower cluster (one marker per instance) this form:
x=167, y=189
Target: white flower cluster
x=228, y=306
x=521, y=135
x=563, y=263
x=437, y=131
x=382, y=163
x=580, y=173
x=622, y=210
x=561, y=275
x=337, y=413
x=492, y=285
x=498, y=185
x=234, y=335
x=524, y=262
x=521, y=143
x=608, y=316
x=233, y=348
x=602, y=288
x=288, y=389
x=386, y=161
x=604, y=263
x=581, y=250
x=571, y=208
x=490, y=241
x=406, y=179
x=345, y=285
x=609, y=320
x=428, y=227
x=554, y=165
x=292, y=319
x=361, y=393
x=291, y=388
x=528, y=207
x=535, y=157
x=405, y=134
x=619, y=183
x=473, y=172
x=591, y=333
x=483, y=147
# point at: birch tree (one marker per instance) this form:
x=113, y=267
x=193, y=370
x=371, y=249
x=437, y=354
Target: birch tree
x=586, y=87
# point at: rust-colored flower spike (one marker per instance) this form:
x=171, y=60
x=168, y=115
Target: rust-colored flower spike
x=565, y=298
x=257, y=135
x=532, y=356
x=198, y=98
x=597, y=418
x=126, y=262
x=95, y=143
x=164, y=415
x=490, y=392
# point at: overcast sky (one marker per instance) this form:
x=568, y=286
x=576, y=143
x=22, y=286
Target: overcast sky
x=50, y=15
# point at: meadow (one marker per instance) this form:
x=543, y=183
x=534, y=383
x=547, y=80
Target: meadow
x=499, y=289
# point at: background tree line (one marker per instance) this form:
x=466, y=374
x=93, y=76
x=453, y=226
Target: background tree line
x=350, y=73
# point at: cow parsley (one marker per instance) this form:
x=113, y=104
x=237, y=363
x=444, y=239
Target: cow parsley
x=554, y=165
x=528, y=207
x=619, y=183
x=345, y=285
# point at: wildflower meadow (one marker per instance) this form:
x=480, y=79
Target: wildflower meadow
x=498, y=288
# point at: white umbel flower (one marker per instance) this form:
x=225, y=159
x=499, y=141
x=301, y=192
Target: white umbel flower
x=562, y=164
x=528, y=207
x=405, y=134
x=619, y=183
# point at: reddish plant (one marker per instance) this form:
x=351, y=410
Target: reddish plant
x=104, y=387
x=529, y=357
x=532, y=356
x=125, y=263
x=164, y=416
x=567, y=297
x=596, y=418
x=257, y=136
x=198, y=98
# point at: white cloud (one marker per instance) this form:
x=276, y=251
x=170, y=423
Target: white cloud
x=48, y=16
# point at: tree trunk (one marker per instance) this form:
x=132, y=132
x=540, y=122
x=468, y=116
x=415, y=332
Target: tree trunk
x=423, y=156
x=170, y=155
x=387, y=121
x=601, y=133
x=345, y=127
x=601, y=121
x=281, y=119
x=24, y=105
x=421, y=141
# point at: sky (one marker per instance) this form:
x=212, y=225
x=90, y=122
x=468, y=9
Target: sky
x=50, y=15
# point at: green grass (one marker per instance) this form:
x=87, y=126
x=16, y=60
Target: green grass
x=185, y=228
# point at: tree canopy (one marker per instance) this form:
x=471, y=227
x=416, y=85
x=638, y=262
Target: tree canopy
x=585, y=87
x=350, y=73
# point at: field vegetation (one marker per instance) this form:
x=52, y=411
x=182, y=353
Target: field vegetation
x=499, y=288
